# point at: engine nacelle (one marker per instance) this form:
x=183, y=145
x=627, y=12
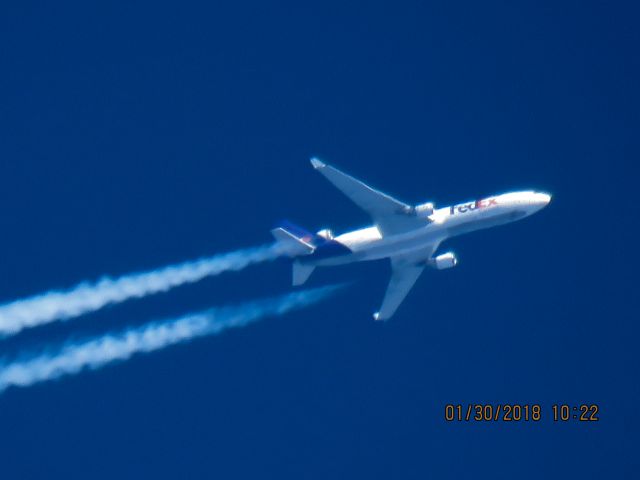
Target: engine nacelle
x=424, y=210
x=444, y=261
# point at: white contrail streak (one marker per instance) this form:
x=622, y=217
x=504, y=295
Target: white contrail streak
x=89, y=297
x=100, y=351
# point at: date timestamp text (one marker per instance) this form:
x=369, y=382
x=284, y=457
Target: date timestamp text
x=514, y=412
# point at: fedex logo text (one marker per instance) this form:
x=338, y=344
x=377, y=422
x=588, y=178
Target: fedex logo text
x=469, y=207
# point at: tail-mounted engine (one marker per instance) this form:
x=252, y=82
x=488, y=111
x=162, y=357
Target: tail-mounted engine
x=326, y=233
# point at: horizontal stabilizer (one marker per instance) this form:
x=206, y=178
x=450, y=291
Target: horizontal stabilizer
x=301, y=272
x=293, y=245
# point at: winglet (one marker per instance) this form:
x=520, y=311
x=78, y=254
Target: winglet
x=317, y=163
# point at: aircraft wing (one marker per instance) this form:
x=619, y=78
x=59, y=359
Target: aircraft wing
x=403, y=276
x=390, y=215
x=405, y=270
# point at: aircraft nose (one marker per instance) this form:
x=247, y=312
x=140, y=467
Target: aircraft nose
x=545, y=198
x=541, y=199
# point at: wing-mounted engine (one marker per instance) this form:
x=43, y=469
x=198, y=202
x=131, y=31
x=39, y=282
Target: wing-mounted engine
x=424, y=210
x=444, y=261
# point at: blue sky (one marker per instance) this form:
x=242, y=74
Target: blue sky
x=134, y=135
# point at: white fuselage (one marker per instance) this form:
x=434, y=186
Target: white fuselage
x=370, y=244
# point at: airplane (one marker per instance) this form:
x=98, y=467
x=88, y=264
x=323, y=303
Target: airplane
x=407, y=235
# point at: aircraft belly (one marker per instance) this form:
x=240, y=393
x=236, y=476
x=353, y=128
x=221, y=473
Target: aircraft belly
x=403, y=247
x=335, y=261
x=417, y=240
x=384, y=248
x=486, y=222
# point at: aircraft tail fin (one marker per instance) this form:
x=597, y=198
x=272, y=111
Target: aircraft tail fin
x=301, y=272
x=296, y=240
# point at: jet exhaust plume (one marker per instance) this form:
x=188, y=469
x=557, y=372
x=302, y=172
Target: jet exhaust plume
x=95, y=353
x=88, y=297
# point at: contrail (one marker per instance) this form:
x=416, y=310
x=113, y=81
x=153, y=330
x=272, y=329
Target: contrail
x=89, y=297
x=95, y=353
